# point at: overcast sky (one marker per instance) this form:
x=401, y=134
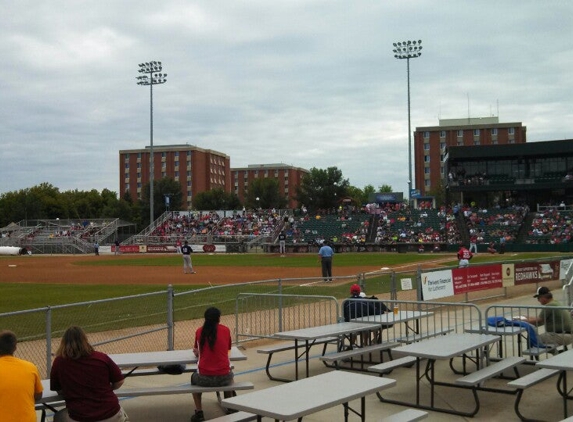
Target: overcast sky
x=310, y=83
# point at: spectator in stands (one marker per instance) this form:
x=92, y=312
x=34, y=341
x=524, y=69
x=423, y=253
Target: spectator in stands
x=86, y=378
x=464, y=255
x=212, y=346
x=558, y=322
x=325, y=254
x=20, y=384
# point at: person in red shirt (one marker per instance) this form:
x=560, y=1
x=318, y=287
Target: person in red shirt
x=212, y=345
x=86, y=378
x=464, y=255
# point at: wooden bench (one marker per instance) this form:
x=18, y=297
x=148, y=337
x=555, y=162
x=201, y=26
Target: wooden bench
x=387, y=367
x=235, y=417
x=408, y=415
x=289, y=346
x=529, y=380
x=481, y=375
x=334, y=359
x=424, y=336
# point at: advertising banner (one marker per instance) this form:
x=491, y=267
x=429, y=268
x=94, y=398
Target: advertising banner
x=437, y=284
x=472, y=279
x=528, y=273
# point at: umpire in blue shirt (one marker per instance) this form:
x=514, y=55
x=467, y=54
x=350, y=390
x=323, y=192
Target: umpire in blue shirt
x=325, y=254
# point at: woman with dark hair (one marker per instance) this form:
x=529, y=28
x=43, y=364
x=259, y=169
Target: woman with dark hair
x=212, y=346
x=86, y=378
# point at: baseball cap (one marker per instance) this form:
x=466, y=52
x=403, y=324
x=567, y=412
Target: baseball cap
x=355, y=289
x=541, y=291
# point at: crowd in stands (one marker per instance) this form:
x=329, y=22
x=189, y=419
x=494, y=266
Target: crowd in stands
x=552, y=226
x=487, y=225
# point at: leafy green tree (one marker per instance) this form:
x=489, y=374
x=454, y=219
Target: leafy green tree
x=216, y=199
x=161, y=188
x=265, y=193
x=322, y=188
x=385, y=189
x=439, y=193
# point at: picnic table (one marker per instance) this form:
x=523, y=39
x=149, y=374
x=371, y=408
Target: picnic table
x=442, y=348
x=562, y=362
x=300, y=398
x=307, y=336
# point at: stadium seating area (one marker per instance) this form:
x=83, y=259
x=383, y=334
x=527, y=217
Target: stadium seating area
x=552, y=226
x=489, y=225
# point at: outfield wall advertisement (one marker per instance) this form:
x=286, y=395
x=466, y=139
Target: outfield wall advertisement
x=444, y=283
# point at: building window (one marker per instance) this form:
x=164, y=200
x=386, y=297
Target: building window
x=176, y=174
x=511, y=131
x=460, y=133
x=426, y=146
x=442, y=134
x=426, y=159
x=427, y=170
x=494, y=131
x=427, y=183
x=494, y=141
x=512, y=141
x=460, y=142
x=177, y=153
x=442, y=146
x=476, y=132
x=477, y=142
x=126, y=165
x=426, y=135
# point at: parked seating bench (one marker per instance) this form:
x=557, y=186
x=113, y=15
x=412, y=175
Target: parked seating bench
x=423, y=336
x=481, y=375
x=387, y=367
x=408, y=415
x=529, y=380
x=535, y=352
x=53, y=400
x=236, y=417
x=334, y=359
x=289, y=346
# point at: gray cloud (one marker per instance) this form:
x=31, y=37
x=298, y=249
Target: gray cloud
x=309, y=83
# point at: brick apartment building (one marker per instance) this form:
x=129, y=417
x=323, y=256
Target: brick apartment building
x=289, y=178
x=430, y=143
x=196, y=169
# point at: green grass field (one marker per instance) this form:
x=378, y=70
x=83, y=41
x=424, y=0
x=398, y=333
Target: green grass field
x=16, y=296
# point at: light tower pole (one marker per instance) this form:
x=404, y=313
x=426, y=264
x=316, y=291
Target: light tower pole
x=408, y=50
x=155, y=78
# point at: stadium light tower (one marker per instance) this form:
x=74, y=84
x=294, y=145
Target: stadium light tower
x=152, y=69
x=408, y=50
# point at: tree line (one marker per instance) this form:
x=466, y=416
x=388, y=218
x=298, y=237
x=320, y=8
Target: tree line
x=321, y=189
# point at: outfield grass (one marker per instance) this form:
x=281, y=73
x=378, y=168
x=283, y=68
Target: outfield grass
x=19, y=296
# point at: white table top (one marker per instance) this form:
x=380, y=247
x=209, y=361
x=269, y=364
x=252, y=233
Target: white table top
x=299, y=398
x=166, y=357
x=322, y=331
x=447, y=346
x=562, y=361
x=392, y=318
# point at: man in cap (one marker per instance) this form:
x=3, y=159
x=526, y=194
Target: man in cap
x=558, y=322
